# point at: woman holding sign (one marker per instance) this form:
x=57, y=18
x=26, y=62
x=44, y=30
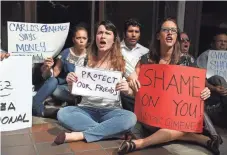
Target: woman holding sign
x=56, y=84
x=166, y=50
x=97, y=118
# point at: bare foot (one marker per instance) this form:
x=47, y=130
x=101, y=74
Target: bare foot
x=139, y=143
x=74, y=136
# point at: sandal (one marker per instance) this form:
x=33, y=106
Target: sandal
x=217, y=138
x=213, y=146
x=129, y=136
x=126, y=147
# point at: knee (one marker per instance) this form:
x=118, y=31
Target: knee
x=218, y=78
x=52, y=81
x=130, y=122
x=63, y=114
x=57, y=92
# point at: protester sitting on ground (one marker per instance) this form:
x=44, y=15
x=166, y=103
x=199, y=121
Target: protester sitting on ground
x=166, y=50
x=185, y=44
x=56, y=84
x=217, y=103
x=97, y=118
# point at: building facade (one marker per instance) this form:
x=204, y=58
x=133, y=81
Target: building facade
x=197, y=18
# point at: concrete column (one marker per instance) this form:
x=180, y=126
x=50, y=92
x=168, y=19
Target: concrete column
x=181, y=14
x=30, y=11
x=92, y=19
x=101, y=10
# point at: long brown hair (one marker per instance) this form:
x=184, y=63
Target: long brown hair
x=154, y=54
x=116, y=57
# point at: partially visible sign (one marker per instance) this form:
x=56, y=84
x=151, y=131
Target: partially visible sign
x=37, y=40
x=16, y=93
x=217, y=64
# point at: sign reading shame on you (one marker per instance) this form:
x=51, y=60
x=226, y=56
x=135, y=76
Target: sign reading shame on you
x=15, y=93
x=37, y=40
x=217, y=64
x=169, y=97
x=94, y=82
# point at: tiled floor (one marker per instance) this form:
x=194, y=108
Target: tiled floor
x=38, y=140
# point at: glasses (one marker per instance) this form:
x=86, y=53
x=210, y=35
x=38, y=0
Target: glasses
x=167, y=30
x=185, y=39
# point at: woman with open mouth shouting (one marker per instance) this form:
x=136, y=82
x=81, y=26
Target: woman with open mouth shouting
x=98, y=118
x=166, y=50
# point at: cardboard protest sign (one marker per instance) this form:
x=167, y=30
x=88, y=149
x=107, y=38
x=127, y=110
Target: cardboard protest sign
x=217, y=64
x=16, y=93
x=169, y=97
x=94, y=82
x=37, y=40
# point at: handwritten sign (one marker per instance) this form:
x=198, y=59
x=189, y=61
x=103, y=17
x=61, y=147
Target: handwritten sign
x=37, y=40
x=170, y=97
x=16, y=93
x=94, y=82
x=217, y=64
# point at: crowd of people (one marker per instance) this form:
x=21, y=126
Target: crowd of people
x=96, y=118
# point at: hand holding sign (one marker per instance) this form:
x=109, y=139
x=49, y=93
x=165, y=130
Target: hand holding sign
x=122, y=86
x=49, y=62
x=71, y=77
x=134, y=82
x=205, y=94
x=3, y=55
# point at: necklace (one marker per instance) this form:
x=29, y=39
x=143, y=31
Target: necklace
x=166, y=61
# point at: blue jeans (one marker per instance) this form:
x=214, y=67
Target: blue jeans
x=97, y=124
x=53, y=86
x=215, y=98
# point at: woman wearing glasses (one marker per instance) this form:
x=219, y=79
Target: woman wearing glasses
x=166, y=50
x=185, y=43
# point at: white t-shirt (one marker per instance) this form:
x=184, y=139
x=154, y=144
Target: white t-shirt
x=132, y=56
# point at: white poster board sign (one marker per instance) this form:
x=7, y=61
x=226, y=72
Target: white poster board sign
x=16, y=93
x=94, y=82
x=217, y=63
x=35, y=39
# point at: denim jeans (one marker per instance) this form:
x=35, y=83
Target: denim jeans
x=215, y=97
x=97, y=124
x=53, y=86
